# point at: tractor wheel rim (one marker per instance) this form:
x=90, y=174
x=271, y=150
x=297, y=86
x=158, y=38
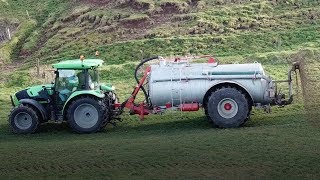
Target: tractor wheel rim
x=23, y=120
x=227, y=108
x=86, y=116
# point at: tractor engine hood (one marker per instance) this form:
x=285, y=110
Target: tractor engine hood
x=33, y=92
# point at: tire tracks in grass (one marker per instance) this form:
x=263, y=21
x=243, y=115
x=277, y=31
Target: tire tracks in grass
x=97, y=166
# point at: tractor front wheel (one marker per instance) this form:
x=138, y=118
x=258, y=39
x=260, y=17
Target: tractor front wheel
x=23, y=120
x=85, y=115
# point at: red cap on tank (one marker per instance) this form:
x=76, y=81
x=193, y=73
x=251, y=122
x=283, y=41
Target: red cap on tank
x=211, y=60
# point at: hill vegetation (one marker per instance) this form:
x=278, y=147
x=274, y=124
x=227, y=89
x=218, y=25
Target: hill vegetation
x=54, y=30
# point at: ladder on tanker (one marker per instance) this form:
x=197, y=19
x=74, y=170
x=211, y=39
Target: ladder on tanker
x=175, y=77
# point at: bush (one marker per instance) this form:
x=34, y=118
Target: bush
x=18, y=79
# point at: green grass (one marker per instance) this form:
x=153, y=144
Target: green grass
x=173, y=146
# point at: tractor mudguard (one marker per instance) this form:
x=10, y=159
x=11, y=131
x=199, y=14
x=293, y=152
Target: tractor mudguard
x=37, y=105
x=80, y=93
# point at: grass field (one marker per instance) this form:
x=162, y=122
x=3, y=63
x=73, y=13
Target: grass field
x=282, y=145
x=272, y=146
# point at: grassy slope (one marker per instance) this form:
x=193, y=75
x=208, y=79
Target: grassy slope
x=283, y=144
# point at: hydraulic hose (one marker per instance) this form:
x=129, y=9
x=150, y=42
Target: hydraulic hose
x=137, y=80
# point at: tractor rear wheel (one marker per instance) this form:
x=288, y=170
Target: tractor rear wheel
x=111, y=98
x=227, y=108
x=85, y=115
x=23, y=120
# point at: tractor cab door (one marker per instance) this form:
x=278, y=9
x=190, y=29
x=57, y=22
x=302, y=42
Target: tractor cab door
x=66, y=83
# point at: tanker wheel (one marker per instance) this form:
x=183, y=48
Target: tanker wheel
x=23, y=120
x=249, y=114
x=85, y=115
x=227, y=108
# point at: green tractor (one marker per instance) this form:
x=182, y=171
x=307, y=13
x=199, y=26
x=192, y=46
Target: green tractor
x=75, y=96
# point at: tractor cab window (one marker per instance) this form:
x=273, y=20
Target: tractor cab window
x=82, y=80
x=67, y=82
x=93, y=78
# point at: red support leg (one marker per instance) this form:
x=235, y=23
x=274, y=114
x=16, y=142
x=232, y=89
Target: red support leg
x=140, y=109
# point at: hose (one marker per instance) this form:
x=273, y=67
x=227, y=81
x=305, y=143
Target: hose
x=137, y=80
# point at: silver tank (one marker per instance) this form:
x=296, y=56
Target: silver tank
x=183, y=82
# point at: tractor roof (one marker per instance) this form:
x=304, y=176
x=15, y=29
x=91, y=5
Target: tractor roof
x=78, y=64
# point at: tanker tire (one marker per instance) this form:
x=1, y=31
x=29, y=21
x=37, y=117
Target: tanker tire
x=248, y=116
x=23, y=120
x=85, y=115
x=227, y=116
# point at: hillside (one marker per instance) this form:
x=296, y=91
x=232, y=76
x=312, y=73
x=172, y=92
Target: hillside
x=127, y=30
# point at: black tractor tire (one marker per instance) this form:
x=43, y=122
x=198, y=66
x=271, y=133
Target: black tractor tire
x=106, y=117
x=24, y=120
x=86, y=115
x=227, y=108
x=111, y=98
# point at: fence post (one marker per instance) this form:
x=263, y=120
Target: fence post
x=38, y=67
x=9, y=34
x=28, y=14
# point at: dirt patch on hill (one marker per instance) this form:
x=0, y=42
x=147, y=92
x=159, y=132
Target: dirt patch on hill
x=97, y=2
x=137, y=5
x=170, y=8
x=136, y=23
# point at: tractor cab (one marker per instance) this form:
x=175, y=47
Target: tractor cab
x=75, y=75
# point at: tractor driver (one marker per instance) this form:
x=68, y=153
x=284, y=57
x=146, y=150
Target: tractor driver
x=68, y=83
